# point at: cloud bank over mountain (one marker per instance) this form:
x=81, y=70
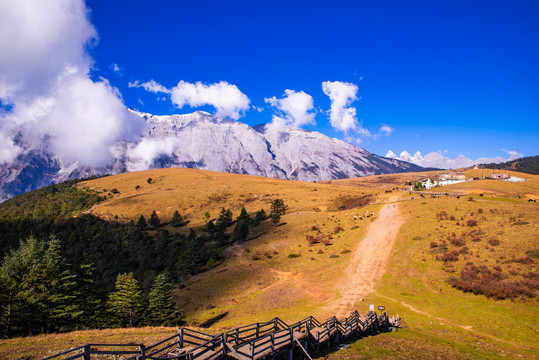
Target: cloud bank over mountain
x=45, y=88
x=437, y=160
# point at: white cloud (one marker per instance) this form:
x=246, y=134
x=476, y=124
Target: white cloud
x=386, y=130
x=8, y=150
x=150, y=86
x=342, y=95
x=294, y=108
x=44, y=76
x=86, y=120
x=41, y=41
x=513, y=154
x=227, y=99
x=142, y=156
x=116, y=68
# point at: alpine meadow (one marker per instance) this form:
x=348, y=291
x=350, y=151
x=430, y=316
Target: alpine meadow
x=206, y=180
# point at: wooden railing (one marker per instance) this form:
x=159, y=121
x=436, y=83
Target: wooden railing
x=254, y=341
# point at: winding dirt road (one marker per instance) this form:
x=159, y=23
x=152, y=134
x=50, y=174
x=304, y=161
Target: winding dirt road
x=369, y=262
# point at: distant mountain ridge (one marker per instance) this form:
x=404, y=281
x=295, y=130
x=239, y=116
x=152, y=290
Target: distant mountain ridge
x=437, y=160
x=203, y=141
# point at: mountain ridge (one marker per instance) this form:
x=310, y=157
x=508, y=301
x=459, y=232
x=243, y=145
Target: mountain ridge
x=204, y=141
x=437, y=160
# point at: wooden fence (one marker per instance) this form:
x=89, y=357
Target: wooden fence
x=255, y=341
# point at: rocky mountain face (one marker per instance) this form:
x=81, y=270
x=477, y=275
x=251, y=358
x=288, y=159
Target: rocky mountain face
x=203, y=141
x=439, y=161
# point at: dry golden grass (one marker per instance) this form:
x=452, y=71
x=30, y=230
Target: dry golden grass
x=258, y=279
x=193, y=192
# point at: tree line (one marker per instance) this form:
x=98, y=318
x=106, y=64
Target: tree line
x=83, y=272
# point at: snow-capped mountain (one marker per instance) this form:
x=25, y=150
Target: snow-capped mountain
x=437, y=160
x=204, y=141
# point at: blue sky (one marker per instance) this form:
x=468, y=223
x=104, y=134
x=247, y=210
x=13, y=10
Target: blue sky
x=449, y=76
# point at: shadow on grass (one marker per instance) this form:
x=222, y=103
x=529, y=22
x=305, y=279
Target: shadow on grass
x=213, y=320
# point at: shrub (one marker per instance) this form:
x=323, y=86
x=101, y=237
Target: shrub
x=346, y=251
x=314, y=228
x=293, y=256
x=114, y=191
x=450, y=256
x=433, y=244
x=457, y=241
x=337, y=229
x=342, y=202
x=471, y=222
x=482, y=280
x=520, y=223
x=522, y=260
x=333, y=256
x=312, y=240
x=327, y=242
x=494, y=242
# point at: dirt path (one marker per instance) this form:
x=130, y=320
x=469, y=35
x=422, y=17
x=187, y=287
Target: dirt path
x=369, y=262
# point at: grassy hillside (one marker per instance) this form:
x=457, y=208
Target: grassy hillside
x=278, y=272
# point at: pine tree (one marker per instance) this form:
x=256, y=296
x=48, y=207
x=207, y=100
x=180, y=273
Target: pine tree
x=278, y=207
x=154, y=220
x=126, y=302
x=141, y=223
x=241, y=231
x=162, y=310
x=224, y=220
x=37, y=288
x=259, y=217
x=176, y=220
x=275, y=218
x=90, y=306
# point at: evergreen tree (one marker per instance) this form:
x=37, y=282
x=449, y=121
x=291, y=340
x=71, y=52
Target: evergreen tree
x=154, y=220
x=64, y=310
x=162, y=310
x=36, y=288
x=126, y=303
x=259, y=217
x=224, y=220
x=278, y=207
x=87, y=300
x=141, y=223
x=176, y=220
x=275, y=218
x=241, y=231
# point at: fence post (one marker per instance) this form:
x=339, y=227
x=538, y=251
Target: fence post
x=142, y=350
x=223, y=340
x=257, y=330
x=237, y=336
x=180, y=337
x=87, y=351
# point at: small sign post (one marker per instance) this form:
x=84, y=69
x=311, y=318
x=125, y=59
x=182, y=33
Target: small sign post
x=371, y=307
